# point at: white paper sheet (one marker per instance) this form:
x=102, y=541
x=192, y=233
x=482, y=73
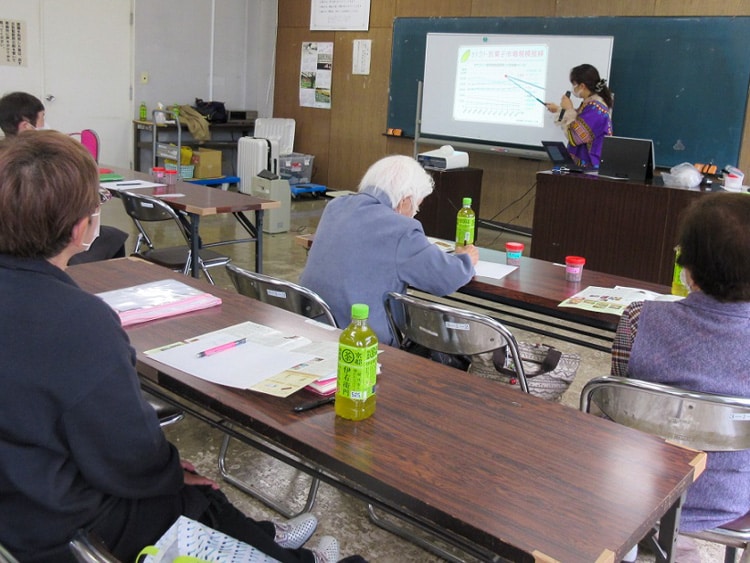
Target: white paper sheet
x=493, y=269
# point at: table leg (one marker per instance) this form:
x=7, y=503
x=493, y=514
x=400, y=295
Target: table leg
x=195, y=245
x=668, y=529
x=259, y=241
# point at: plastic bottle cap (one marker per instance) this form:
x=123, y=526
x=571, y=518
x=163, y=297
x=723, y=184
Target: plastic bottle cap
x=170, y=171
x=575, y=260
x=360, y=311
x=517, y=246
x=467, y=202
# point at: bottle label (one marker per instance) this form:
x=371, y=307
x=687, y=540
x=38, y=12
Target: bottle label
x=465, y=230
x=357, y=370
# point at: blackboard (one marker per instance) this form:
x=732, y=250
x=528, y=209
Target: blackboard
x=682, y=82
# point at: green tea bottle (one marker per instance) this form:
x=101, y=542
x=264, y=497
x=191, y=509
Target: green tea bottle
x=357, y=367
x=678, y=288
x=143, y=112
x=465, y=224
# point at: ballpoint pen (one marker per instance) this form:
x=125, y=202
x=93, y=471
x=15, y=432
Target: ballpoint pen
x=221, y=348
x=314, y=404
x=127, y=184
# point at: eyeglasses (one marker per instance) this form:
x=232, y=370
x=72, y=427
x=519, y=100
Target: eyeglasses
x=104, y=195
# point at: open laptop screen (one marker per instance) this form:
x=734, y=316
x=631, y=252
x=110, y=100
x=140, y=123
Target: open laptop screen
x=627, y=158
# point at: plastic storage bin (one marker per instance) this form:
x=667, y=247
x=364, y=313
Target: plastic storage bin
x=296, y=167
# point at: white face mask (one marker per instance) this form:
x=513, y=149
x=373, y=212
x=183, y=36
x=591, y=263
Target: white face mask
x=96, y=217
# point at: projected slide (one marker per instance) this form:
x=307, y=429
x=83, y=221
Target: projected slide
x=491, y=89
x=501, y=84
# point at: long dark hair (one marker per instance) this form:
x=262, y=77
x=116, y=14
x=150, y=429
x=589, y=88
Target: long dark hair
x=588, y=76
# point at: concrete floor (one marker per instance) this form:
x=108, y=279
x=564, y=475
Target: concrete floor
x=340, y=515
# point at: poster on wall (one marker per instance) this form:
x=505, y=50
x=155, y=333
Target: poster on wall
x=316, y=68
x=339, y=15
x=13, y=43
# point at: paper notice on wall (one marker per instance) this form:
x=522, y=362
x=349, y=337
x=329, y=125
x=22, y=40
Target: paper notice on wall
x=13, y=43
x=316, y=68
x=339, y=15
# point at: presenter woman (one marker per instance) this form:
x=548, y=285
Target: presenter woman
x=586, y=126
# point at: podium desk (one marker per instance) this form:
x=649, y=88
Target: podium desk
x=505, y=474
x=437, y=213
x=622, y=228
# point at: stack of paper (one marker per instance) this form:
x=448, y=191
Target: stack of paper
x=157, y=300
x=612, y=300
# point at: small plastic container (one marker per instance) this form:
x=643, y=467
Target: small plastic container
x=574, y=268
x=513, y=253
x=170, y=177
x=158, y=173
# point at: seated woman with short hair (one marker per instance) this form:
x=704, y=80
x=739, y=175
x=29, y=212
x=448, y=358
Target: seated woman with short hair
x=700, y=343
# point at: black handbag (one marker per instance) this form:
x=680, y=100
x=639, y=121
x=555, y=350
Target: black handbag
x=215, y=112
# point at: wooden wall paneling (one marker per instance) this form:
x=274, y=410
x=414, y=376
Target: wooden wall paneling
x=433, y=8
x=313, y=125
x=513, y=8
x=294, y=13
x=360, y=103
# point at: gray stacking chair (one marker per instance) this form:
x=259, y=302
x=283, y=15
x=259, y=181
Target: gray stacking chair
x=449, y=330
x=701, y=421
x=296, y=299
x=146, y=209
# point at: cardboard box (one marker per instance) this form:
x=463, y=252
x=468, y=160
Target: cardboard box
x=207, y=163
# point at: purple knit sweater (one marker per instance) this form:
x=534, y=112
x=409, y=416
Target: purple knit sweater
x=703, y=345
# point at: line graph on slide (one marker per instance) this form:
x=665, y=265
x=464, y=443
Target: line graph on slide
x=501, y=84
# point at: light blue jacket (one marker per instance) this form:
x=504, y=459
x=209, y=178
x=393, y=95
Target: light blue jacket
x=363, y=249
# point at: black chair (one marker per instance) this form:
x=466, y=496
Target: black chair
x=701, y=421
x=147, y=209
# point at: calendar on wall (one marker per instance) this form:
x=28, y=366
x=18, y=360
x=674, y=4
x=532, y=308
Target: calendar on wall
x=12, y=43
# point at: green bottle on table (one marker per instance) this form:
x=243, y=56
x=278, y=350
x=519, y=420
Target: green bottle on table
x=465, y=222
x=357, y=367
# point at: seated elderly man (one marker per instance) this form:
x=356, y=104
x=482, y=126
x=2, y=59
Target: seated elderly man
x=369, y=243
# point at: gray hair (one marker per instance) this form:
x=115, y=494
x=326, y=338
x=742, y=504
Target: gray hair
x=398, y=177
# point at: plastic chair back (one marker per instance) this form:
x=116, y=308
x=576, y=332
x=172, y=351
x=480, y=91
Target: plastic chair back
x=280, y=293
x=448, y=329
x=702, y=421
x=90, y=140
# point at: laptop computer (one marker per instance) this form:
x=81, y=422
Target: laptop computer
x=627, y=159
x=560, y=157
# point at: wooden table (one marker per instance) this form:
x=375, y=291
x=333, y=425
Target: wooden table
x=539, y=286
x=201, y=201
x=513, y=475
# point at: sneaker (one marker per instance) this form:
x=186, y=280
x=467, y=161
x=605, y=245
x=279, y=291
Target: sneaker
x=293, y=533
x=327, y=550
x=631, y=555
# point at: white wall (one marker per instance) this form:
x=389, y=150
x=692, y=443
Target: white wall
x=187, y=58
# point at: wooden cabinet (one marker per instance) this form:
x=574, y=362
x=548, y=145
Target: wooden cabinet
x=438, y=211
x=622, y=228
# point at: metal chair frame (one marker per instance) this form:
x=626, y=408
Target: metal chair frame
x=698, y=420
x=142, y=209
x=296, y=299
x=452, y=331
x=449, y=330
